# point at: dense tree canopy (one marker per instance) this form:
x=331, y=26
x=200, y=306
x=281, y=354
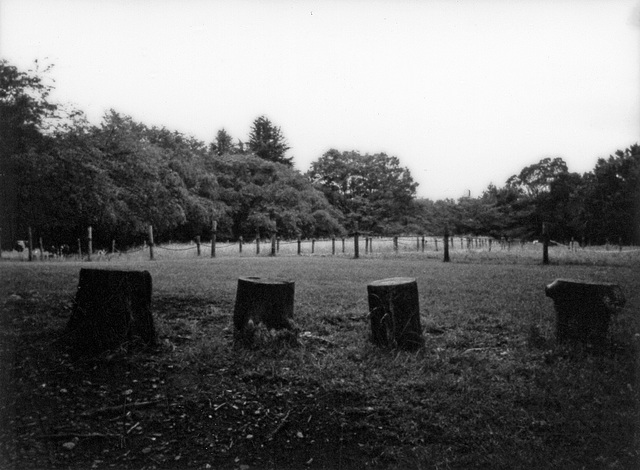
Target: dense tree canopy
x=372, y=190
x=59, y=175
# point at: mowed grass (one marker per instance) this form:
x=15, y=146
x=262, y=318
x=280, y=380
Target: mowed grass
x=491, y=389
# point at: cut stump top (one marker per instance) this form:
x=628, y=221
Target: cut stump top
x=266, y=280
x=393, y=281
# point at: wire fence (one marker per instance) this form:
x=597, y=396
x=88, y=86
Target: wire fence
x=460, y=247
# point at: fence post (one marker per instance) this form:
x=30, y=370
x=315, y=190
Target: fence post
x=150, y=242
x=490, y=241
x=79, y=250
x=113, y=246
x=214, y=235
x=257, y=243
x=356, y=245
x=417, y=243
x=198, y=244
x=366, y=244
x=90, y=242
x=620, y=244
x=240, y=240
x=545, y=244
x=299, y=246
x=371, y=245
x=333, y=245
x=435, y=240
x=30, y=244
x=278, y=244
x=273, y=243
x=342, y=244
x=395, y=244
x=41, y=249
x=446, y=244
x=313, y=245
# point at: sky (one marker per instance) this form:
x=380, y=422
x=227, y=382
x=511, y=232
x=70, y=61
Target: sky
x=465, y=93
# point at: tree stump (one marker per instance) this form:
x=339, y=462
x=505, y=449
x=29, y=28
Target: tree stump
x=395, y=313
x=583, y=309
x=263, y=300
x=111, y=308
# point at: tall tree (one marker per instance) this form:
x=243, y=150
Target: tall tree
x=224, y=142
x=24, y=111
x=373, y=190
x=612, y=198
x=267, y=142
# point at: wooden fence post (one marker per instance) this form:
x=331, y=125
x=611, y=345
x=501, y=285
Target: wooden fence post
x=343, y=249
x=299, y=246
x=333, y=245
x=90, y=242
x=198, y=244
x=41, y=249
x=113, y=246
x=435, y=240
x=240, y=240
x=423, y=243
x=30, y=244
x=278, y=244
x=395, y=244
x=273, y=243
x=620, y=244
x=356, y=245
x=214, y=235
x=446, y=244
x=490, y=241
x=417, y=243
x=151, y=242
x=545, y=244
x=313, y=245
x=258, y=243
x=79, y=250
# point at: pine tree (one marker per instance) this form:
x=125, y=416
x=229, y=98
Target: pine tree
x=267, y=142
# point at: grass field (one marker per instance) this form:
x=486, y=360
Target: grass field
x=491, y=389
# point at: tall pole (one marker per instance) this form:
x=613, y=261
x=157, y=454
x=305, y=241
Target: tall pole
x=214, y=234
x=545, y=243
x=446, y=244
x=90, y=241
x=151, y=242
x=30, y=244
x=356, y=243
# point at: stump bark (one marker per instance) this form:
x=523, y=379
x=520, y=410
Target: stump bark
x=583, y=309
x=395, y=313
x=266, y=301
x=111, y=308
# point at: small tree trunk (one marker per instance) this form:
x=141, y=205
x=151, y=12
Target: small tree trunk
x=262, y=300
x=111, y=308
x=395, y=313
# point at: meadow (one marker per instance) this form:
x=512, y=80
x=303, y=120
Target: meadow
x=491, y=388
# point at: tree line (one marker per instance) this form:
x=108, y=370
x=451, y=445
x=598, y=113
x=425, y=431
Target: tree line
x=60, y=174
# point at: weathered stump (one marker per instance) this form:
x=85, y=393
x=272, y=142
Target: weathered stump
x=111, y=308
x=583, y=309
x=263, y=300
x=395, y=313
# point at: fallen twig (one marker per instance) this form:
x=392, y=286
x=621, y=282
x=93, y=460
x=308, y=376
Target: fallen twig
x=71, y=435
x=279, y=426
x=110, y=409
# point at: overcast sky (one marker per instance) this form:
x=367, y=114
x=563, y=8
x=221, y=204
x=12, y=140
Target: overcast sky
x=465, y=93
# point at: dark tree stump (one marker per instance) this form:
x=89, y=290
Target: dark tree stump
x=266, y=301
x=583, y=309
x=395, y=313
x=111, y=308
